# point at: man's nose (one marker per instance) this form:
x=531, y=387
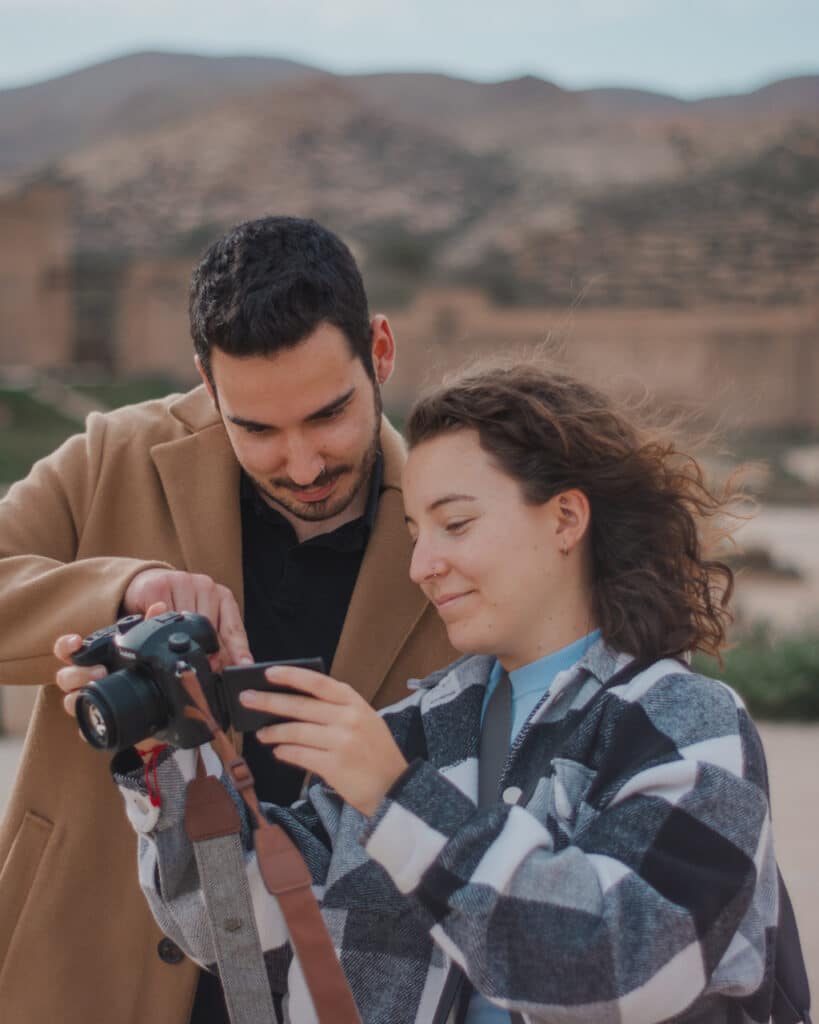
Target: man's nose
x=304, y=463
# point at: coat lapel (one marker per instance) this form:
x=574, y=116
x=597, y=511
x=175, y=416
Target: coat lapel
x=200, y=478
x=386, y=605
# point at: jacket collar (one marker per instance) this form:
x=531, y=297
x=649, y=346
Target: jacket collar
x=600, y=661
x=195, y=410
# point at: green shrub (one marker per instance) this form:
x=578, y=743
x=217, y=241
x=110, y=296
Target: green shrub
x=29, y=429
x=115, y=392
x=776, y=676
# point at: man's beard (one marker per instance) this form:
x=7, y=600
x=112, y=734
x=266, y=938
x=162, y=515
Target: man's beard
x=286, y=494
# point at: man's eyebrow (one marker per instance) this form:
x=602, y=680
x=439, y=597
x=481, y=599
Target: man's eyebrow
x=445, y=500
x=331, y=407
x=240, y=421
x=319, y=414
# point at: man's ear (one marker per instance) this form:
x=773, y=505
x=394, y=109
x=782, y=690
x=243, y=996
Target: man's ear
x=205, y=379
x=383, y=348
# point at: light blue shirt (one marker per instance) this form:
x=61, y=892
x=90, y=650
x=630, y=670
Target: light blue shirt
x=529, y=684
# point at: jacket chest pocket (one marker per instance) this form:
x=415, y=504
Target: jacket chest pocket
x=570, y=783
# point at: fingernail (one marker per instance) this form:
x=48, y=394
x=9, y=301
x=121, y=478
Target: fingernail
x=247, y=697
x=274, y=672
x=245, y=659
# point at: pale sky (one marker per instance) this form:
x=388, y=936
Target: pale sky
x=687, y=47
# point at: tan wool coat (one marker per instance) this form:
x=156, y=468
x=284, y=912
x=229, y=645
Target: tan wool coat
x=151, y=485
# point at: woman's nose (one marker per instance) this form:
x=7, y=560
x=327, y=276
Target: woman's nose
x=424, y=564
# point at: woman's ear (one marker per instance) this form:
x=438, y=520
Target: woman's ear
x=573, y=515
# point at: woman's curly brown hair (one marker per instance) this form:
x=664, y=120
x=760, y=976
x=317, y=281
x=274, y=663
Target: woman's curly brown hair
x=655, y=593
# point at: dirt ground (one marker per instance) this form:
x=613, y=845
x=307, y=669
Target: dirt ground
x=791, y=535
x=793, y=766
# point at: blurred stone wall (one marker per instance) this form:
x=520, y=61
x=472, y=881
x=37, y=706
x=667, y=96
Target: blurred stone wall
x=36, y=308
x=743, y=367
x=152, y=322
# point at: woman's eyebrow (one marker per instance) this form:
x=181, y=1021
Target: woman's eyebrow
x=446, y=499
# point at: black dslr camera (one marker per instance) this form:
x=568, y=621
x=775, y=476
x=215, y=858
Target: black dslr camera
x=143, y=697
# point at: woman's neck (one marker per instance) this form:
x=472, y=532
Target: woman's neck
x=553, y=635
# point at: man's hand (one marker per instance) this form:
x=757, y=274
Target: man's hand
x=73, y=678
x=334, y=733
x=193, y=592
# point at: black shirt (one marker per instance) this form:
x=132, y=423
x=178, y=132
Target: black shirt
x=296, y=599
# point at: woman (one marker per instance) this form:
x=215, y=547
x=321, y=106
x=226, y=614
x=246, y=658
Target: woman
x=619, y=864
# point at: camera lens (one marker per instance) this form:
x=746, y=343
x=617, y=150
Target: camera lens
x=120, y=710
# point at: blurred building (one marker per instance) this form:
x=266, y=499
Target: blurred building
x=744, y=363
x=36, y=307
x=742, y=366
x=152, y=334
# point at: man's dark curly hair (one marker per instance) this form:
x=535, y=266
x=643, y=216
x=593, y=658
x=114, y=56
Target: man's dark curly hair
x=268, y=284
x=655, y=593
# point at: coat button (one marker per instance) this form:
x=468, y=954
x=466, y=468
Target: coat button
x=512, y=794
x=169, y=952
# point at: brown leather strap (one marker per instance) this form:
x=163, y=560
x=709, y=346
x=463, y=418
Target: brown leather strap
x=209, y=813
x=286, y=876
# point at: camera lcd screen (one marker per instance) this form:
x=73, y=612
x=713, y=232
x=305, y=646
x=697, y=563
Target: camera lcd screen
x=251, y=677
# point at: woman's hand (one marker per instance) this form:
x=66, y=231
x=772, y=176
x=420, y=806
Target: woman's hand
x=331, y=731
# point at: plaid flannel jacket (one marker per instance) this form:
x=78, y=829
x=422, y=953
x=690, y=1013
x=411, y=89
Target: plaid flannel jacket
x=625, y=874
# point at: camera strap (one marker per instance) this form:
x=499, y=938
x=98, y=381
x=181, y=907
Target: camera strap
x=213, y=825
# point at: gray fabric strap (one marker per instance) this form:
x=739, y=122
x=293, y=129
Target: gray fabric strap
x=211, y=814
x=233, y=929
x=496, y=734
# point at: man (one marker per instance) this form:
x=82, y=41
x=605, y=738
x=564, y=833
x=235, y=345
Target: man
x=270, y=497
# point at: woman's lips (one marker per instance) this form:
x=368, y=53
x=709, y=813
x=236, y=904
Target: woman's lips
x=448, y=600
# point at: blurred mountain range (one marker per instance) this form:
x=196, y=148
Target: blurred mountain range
x=532, y=190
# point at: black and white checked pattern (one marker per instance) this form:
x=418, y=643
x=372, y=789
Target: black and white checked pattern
x=637, y=884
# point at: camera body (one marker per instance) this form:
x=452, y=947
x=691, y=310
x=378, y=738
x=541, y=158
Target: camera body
x=142, y=696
